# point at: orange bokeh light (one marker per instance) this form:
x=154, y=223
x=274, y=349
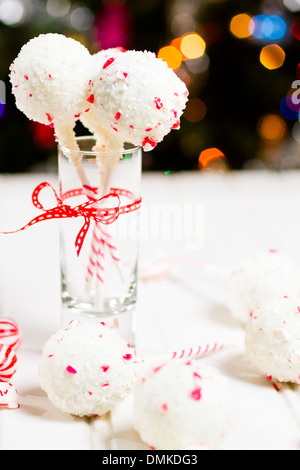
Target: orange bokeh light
x=171, y=55
x=272, y=127
x=240, y=24
x=192, y=46
x=272, y=56
x=208, y=155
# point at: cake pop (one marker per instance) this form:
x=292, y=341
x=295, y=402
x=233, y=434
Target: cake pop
x=267, y=276
x=272, y=338
x=138, y=98
x=87, y=368
x=50, y=81
x=182, y=405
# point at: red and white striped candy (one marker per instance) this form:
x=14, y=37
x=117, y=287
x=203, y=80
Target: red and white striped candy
x=10, y=333
x=8, y=362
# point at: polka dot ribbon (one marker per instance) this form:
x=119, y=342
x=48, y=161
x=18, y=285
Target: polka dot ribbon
x=87, y=210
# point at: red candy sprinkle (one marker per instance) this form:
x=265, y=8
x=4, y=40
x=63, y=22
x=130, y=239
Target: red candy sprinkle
x=105, y=368
x=176, y=125
x=158, y=103
x=50, y=118
x=117, y=116
x=91, y=99
x=108, y=62
x=26, y=77
x=164, y=407
x=150, y=141
x=196, y=394
x=71, y=370
x=197, y=375
x=127, y=357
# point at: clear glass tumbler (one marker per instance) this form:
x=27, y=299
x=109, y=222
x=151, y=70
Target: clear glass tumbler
x=100, y=282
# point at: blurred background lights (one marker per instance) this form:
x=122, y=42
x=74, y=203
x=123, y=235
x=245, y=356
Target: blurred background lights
x=258, y=24
x=171, y=55
x=195, y=110
x=272, y=127
x=292, y=5
x=295, y=28
x=240, y=25
x=12, y=12
x=192, y=46
x=183, y=23
x=275, y=28
x=272, y=56
x=58, y=8
x=208, y=155
x=81, y=19
x=267, y=27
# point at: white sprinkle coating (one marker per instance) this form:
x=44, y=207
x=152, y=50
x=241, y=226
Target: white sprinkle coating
x=267, y=276
x=87, y=368
x=272, y=338
x=182, y=405
x=50, y=79
x=138, y=97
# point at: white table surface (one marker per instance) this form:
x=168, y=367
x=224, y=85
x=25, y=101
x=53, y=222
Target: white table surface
x=239, y=214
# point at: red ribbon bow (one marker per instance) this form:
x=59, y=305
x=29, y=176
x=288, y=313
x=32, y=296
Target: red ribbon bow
x=86, y=210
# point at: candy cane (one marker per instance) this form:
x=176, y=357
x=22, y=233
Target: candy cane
x=8, y=362
x=10, y=333
x=189, y=353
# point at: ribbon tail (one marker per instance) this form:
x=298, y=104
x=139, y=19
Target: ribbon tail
x=81, y=235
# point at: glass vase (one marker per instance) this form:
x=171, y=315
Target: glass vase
x=100, y=281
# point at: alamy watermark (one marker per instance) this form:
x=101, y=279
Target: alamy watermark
x=181, y=223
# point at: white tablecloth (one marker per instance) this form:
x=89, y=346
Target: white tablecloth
x=218, y=219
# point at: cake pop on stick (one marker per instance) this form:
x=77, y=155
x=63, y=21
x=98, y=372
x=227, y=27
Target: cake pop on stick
x=272, y=336
x=269, y=275
x=182, y=405
x=137, y=99
x=50, y=81
x=87, y=368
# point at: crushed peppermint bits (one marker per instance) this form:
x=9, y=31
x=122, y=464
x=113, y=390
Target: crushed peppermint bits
x=182, y=405
x=87, y=359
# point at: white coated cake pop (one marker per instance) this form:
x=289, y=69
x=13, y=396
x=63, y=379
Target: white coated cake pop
x=267, y=276
x=50, y=80
x=87, y=368
x=104, y=140
x=272, y=338
x=138, y=98
x=182, y=405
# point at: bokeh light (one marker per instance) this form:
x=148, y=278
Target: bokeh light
x=272, y=56
x=292, y=5
x=209, y=155
x=268, y=27
x=272, y=128
x=171, y=55
x=240, y=24
x=195, y=110
x=192, y=46
x=12, y=12
x=295, y=28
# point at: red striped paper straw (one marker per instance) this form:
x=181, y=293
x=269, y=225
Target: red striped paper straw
x=189, y=353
